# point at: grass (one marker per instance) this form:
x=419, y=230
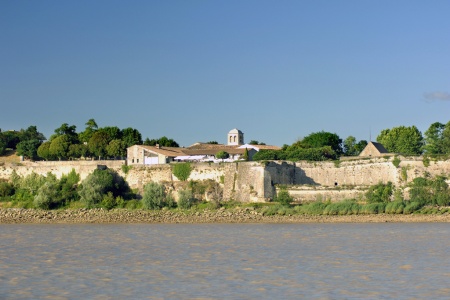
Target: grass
x=9, y=157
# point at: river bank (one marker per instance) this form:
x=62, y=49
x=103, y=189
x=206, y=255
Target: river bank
x=236, y=215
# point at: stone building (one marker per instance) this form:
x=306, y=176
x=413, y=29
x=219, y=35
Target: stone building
x=374, y=149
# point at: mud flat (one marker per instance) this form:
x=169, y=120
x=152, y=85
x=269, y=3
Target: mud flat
x=236, y=215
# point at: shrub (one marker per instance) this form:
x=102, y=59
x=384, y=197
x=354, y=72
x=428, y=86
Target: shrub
x=185, y=199
x=6, y=189
x=182, y=171
x=108, y=201
x=126, y=168
x=283, y=197
x=46, y=196
x=380, y=193
x=155, y=197
x=396, y=161
x=313, y=208
x=342, y=208
x=133, y=204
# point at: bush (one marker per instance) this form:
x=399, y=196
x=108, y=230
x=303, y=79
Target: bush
x=155, y=197
x=283, y=197
x=182, y=171
x=133, y=204
x=185, y=199
x=380, y=193
x=108, y=201
x=6, y=189
x=47, y=195
x=342, y=208
x=396, y=161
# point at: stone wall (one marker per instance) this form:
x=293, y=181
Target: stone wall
x=257, y=181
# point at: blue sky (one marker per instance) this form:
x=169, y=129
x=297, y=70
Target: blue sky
x=193, y=70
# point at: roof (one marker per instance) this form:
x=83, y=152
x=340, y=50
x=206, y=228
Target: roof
x=260, y=147
x=379, y=147
x=235, y=130
x=167, y=151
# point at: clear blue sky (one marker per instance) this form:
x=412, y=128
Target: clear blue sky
x=192, y=70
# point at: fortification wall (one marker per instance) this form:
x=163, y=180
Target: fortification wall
x=256, y=181
x=58, y=168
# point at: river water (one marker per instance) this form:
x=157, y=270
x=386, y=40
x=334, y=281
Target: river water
x=225, y=261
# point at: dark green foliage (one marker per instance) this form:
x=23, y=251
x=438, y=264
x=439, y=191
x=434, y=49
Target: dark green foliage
x=313, y=208
x=98, y=143
x=212, y=142
x=162, y=141
x=2, y=145
x=43, y=151
x=130, y=137
x=283, y=197
x=182, y=171
x=323, y=139
x=380, y=192
x=155, y=196
x=430, y=191
x=28, y=148
x=269, y=155
x=222, y=155
x=59, y=147
x=396, y=161
x=311, y=154
x=6, y=189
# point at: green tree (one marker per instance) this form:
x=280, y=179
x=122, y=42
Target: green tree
x=28, y=148
x=212, y=142
x=353, y=148
x=131, y=136
x=322, y=139
x=2, y=145
x=95, y=186
x=67, y=130
x=113, y=132
x=91, y=127
x=162, y=141
x=434, y=140
x=59, y=147
x=284, y=197
x=98, y=143
x=446, y=138
x=43, y=151
x=404, y=140
x=222, y=155
x=380, y=192
x=116, y=148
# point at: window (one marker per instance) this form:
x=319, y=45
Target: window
x=132, y=160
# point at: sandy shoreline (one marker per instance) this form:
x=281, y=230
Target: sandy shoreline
x=101, y=216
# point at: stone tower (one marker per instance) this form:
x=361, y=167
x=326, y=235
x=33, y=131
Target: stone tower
x=235, y=137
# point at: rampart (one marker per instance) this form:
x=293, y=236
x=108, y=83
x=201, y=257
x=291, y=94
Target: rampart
x=257, y=181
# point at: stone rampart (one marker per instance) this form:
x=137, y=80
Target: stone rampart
x=257, y=181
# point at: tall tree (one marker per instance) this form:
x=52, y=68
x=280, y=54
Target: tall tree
x=353, y=148
x=404, y=140
x=434, y=139
x=91, y=127
x=28, y=148
x=67, y=130
x=131, y=136
x=43, y=151
x=116, y=148
x=98, y=143
x=59, y=146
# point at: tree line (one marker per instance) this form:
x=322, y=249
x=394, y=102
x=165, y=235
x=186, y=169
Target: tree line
x=67, y=143
x=112, y=142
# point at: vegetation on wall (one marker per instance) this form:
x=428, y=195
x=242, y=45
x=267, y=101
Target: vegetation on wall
x=182, y=170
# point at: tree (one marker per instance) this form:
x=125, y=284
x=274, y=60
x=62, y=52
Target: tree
x=59, y=147
x=43, y=151
x=446, y=138
x=131, y=137
x=91, y=127
x=182, y=171
x=2, y=145
x=162, y=141
x=98, y=142
x=212, y=142
x=255, y=142
x=116, y=148
x=222, y=155
x=31, y=133
x=405, y=140
x=322, y=139
x=28, y=148
x=113, y=132
x=352, y=148
x=69, y=131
